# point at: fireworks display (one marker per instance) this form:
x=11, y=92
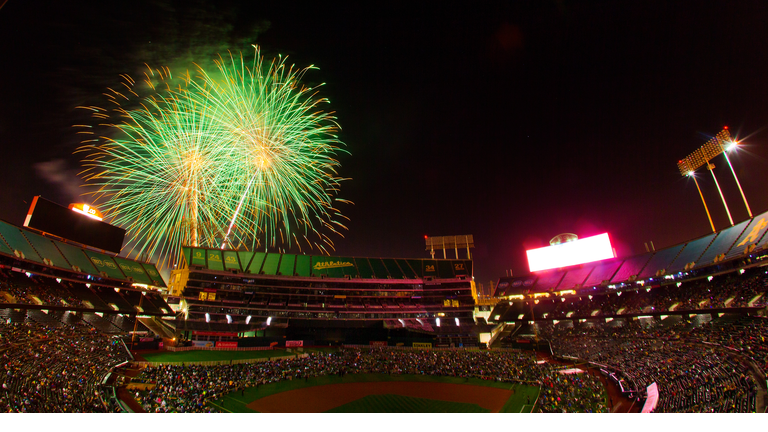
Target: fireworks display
x=242, y=156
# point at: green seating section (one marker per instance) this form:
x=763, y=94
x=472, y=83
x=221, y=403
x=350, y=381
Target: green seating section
x=133, y=270
x=18, y=242
x=77, y=257
x=47, y=249
x=154, y=275
x=105, y=263
x=275, y=264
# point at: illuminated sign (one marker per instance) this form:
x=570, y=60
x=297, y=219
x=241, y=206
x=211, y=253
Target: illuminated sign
x=86, y=210
x=581, y=251
x=331, y=264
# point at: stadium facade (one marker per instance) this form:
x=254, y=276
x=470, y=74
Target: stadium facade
x=273, y=298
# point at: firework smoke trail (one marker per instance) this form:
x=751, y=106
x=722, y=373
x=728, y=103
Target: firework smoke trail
x=241, y=149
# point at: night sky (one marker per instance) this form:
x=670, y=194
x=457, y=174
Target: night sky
x=512, y=121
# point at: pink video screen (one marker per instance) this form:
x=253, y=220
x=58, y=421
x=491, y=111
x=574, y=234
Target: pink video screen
x=576, y=252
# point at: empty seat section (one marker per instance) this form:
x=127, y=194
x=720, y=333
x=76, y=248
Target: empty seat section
x=153, y=274
x=721, y=244
x=16, y=241
x=76, y=256
x=631, y=267
x=660, y=261
x=133, y=270
x=111, y=297
x=749, y=237
x=47, y=249
x=105, y=263
x=575, y=277
x=85, y=294
x=602, y=272
x=548, y=281
x=101, y=324
x=41, y=317
x=690, y=253
x=135, y=298
x=4, y=248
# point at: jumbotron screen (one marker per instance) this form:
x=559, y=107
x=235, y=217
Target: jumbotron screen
x=576, y=252
x=60, y=221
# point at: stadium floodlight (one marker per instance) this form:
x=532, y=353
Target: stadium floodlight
x=207, y=317
x=269, y=320
x=720, y=143
x=229, y=319
x=58, y=280
x=437, y=322
x=248, y=320
x=457, y=321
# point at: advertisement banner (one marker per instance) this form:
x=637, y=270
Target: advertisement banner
x=378, y=343
x=206, y=344
x=273, y=344
x=294, y=344
x=221, y=344
x=422, y=345
x=210, y=333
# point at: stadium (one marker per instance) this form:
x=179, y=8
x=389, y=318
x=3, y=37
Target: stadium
x=201, y=267
x=676, y=330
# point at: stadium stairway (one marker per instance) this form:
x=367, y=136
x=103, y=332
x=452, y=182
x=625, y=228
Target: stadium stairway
x=158, y=326
x=500, y=332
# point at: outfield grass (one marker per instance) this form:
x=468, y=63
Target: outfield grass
x=223, y=355
x=234, y=402
x=206, y=355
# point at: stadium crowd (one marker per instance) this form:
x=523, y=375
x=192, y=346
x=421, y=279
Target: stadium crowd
x=691, y=376
x=725, y=291
x=24, y=289
x=181, y=388
x=46, y=369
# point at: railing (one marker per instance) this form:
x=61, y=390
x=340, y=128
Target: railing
x=200, y=348
x=216, y=362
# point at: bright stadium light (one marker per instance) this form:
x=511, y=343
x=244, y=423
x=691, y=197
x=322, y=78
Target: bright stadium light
x=229, y=319
x=248, y=320
x=437, y=322
x=457, y=321
x=207, y=317
x=269, y=320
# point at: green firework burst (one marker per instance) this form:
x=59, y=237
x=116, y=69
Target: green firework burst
x=240, y=156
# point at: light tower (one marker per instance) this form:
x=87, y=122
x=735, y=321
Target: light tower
x=720, y=143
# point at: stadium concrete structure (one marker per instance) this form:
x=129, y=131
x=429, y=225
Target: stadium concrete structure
x=310, y=299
